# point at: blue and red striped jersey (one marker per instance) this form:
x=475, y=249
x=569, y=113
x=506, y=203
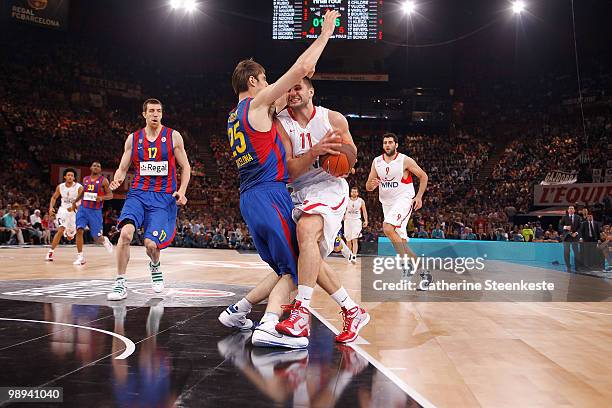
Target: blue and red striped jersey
x=92, y=189
x=260, y=156
x=154, y=163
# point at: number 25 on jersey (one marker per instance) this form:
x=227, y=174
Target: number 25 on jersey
x=236, y=140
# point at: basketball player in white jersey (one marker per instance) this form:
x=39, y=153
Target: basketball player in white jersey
x=352, y=222
x=392, y=173
x=320, y=203
x=66, y=217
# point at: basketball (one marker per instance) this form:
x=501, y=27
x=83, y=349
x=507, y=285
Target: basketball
x=340, y=164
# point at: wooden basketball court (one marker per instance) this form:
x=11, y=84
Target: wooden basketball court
x=443, y=354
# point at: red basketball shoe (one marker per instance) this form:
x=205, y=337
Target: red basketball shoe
x=298, y=322
x=354, y=320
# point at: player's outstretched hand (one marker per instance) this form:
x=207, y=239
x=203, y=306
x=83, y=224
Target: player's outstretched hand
x=328, y=145
x=329, y=22
x=180, y=198
x=115, y=184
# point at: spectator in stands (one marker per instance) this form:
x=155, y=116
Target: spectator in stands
x=605, y=246
x=538, y=232
x=469, y=234
x=527, y=232
x=10, y=223
x=233, y=240
x=517, y=236
x=218, y=240
x=35, y=220
x=46, y=230
x=437, y=233
x=590, y=232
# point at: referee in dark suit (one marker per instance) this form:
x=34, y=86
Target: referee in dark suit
x=569, y=230
x=590, y=231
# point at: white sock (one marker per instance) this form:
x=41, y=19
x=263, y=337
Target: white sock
x=120, y=278
x=243, y=305
x=79, y=254
x=343, y=299
x=346, y=252
x=304, y=295
x=269, y=317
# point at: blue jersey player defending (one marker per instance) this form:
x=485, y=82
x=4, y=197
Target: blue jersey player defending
x=265, y=202
x=151, y=203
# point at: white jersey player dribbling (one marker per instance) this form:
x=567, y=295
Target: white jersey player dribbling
x=316, y=191
x=395, y=192
x=320, y=200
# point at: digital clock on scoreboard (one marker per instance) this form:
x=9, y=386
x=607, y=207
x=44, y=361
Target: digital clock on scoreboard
x=302, y=19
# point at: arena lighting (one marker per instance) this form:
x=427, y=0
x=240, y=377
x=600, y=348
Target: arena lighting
x=518, y=6
x=408, y=7
x=190, y=5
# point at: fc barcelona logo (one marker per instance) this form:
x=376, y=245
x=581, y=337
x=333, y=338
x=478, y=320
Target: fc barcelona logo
x=38, y=4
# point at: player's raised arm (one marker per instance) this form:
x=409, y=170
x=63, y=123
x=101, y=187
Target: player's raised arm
x=54, y=197
x=373, y=180
x=124, y=165
x=303, y=66
x=183, y=162
x=413, y=167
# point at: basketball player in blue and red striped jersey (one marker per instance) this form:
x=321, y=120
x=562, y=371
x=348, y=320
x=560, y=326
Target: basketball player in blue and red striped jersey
x=151, y=203
x=92, y=195
x=265, y=203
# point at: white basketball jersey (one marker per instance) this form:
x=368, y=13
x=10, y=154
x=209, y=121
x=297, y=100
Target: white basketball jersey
x=69, y=194
x=393, y=186
x=303, y=139
x=353, y=210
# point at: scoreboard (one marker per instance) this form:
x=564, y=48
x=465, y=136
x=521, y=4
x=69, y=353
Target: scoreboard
x=302, y=19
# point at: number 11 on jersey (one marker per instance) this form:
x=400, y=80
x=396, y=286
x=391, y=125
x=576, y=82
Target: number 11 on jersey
x=305, y=136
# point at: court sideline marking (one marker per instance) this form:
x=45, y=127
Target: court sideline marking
x=412, y=393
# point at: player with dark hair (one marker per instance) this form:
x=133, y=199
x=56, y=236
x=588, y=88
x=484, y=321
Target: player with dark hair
x=392, y=173
x=151, y=203
x=66, y=217
x=352, y=221
x=265, y=203
x=95, y=191
x=320, y=201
